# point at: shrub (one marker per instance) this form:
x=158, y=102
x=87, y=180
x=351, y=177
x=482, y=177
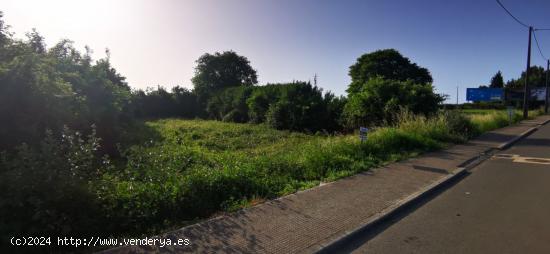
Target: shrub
x=295, y=106
x=230, y=104
x=460, y=125
x=379, y=99
x=44, y=88
x=159, y=103
x=47, y=190
x=280, y=116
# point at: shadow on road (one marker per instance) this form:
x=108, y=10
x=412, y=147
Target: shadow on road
x=360, y=237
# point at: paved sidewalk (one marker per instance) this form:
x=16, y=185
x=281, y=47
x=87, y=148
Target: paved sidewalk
x=306, y=221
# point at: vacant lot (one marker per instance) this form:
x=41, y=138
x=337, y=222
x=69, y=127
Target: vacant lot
x=173, y=172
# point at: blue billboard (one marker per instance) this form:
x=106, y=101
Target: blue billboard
x=484, y=94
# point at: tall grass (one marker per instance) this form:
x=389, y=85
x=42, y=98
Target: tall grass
x=493, y=119
x=192, y=169
x=202, y=167
x=199, y=167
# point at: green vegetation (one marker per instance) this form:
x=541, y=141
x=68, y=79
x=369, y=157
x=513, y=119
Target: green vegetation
x=497, y=81
x=295, y=106
x=379, y=99
x=78, y=159
x=537, y=78
x=191, y=169
x=384, y=82
x=215, y=72
x=486, y=120
x=387, y=64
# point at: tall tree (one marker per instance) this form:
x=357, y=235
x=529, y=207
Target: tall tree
x=387, y=64
x=381, y=99
x=537, y=78
x=221, y=70
x=497, y=81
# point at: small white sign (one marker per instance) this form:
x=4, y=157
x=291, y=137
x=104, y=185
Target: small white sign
x=363, y=131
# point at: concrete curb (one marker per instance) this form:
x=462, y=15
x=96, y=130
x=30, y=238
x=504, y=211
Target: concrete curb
x=392, y=210
x=522, y=135
x=518, y=138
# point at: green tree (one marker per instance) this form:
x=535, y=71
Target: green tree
x=537, y=78
x=380, y=99
x=388, y=64
x=217, y=71
x=497, y=81
x=43, y=88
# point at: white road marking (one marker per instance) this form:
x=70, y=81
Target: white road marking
x=521, y=159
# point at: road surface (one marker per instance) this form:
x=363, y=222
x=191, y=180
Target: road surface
x=501, y=206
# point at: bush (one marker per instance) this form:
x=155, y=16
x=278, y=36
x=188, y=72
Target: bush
x=230, y=104
x=159, y=103
x=280, y=116
x=379, y=99
x=47, y=191
x=460, y=125
x=44, y=88
x=295, y=106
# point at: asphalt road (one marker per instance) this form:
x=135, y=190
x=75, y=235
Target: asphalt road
x=501, y=206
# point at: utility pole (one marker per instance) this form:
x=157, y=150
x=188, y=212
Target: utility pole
x=526, y=94
x=315, y=79
x=456, y=96
x=546, y=92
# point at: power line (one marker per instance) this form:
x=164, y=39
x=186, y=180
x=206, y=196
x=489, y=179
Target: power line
x=511, y=15
x=525, y=25
x=519, y=21
x=526, y=87
x=538, y=46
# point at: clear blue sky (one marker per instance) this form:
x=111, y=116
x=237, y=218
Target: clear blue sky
x=156, y=42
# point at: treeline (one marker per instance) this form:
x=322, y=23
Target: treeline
x=225, y=89
x=537, y=78
x=296, y=106
x=160, y=103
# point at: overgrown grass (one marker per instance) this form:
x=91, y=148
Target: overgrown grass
x=199, y=167
x=487, y=120
x=187, y=170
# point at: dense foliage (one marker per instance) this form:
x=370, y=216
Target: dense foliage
x=47, y=190
x=217, y=71
x=380, y=99
x=159, y=103
x=537, y=78
x=48, y=88
x=384, y=82
x=230, y=104
x=293, y=106
x=497, y=81
x=387, y=64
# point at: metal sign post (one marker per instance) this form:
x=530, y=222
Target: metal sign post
x=510, y=114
